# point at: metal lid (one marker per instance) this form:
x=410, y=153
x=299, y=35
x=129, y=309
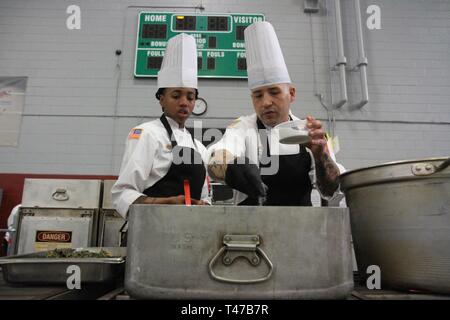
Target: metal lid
x=396, y=171
x=107, y=198
x=61, y=193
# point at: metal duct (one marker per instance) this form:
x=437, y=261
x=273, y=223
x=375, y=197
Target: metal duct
x=341, y=60
x=362, y=59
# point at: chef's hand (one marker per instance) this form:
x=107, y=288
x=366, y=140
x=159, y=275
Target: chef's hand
x=318, y=144
x=327, y=172
x=182, y=200
x=169, y=200
x=244, y=176
x=196, y=202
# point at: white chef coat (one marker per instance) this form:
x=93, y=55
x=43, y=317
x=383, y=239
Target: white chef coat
x=147, y=159
x=242, y=139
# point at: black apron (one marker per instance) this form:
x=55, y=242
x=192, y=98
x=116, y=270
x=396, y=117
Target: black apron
x=291, y=185
x=172, y=184
x=188, y=166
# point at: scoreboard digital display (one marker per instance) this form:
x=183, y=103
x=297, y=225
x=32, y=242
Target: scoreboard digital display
x=154, y=31
x=219, y=38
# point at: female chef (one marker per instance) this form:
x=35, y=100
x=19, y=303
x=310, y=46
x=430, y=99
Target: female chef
x=161, y=157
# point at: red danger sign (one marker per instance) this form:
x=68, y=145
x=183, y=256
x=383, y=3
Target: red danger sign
x=54, y=236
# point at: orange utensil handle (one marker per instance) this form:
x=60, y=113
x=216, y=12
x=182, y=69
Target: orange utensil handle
x=187, y=193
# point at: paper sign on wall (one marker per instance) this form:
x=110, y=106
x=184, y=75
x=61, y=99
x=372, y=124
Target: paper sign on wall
x=12, y=98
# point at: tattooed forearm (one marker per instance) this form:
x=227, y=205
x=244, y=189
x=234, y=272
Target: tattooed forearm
x=327, y=174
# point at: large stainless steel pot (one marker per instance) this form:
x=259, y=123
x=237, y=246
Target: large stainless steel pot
x=400, y=219
x=244, y=252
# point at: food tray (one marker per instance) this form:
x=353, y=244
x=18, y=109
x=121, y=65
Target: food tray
x=36, y=268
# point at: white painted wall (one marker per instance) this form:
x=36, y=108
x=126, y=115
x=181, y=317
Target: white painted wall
x=82, y=99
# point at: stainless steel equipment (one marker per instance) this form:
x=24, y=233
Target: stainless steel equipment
x=228, y=252
x=58, y=213
x=110, y=221
x=35, y=268
x=400, y=217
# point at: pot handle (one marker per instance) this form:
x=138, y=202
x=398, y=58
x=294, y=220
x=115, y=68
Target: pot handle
x=244, y=246
x=60, y=194
x=123, y=233
x=427, y=169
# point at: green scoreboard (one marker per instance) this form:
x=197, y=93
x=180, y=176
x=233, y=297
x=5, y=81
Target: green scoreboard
x=219, y=37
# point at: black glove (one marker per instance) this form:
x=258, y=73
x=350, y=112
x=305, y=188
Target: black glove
x=244, y=176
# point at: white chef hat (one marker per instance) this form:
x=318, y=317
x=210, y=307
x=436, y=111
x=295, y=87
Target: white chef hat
x=179, y=65
x=265, y=62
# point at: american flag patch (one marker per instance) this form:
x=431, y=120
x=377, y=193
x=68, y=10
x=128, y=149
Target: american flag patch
x=135, y=133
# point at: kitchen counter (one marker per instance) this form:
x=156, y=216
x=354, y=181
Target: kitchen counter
x=117, y=292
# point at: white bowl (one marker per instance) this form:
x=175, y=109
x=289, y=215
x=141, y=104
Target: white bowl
x=293, y=132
